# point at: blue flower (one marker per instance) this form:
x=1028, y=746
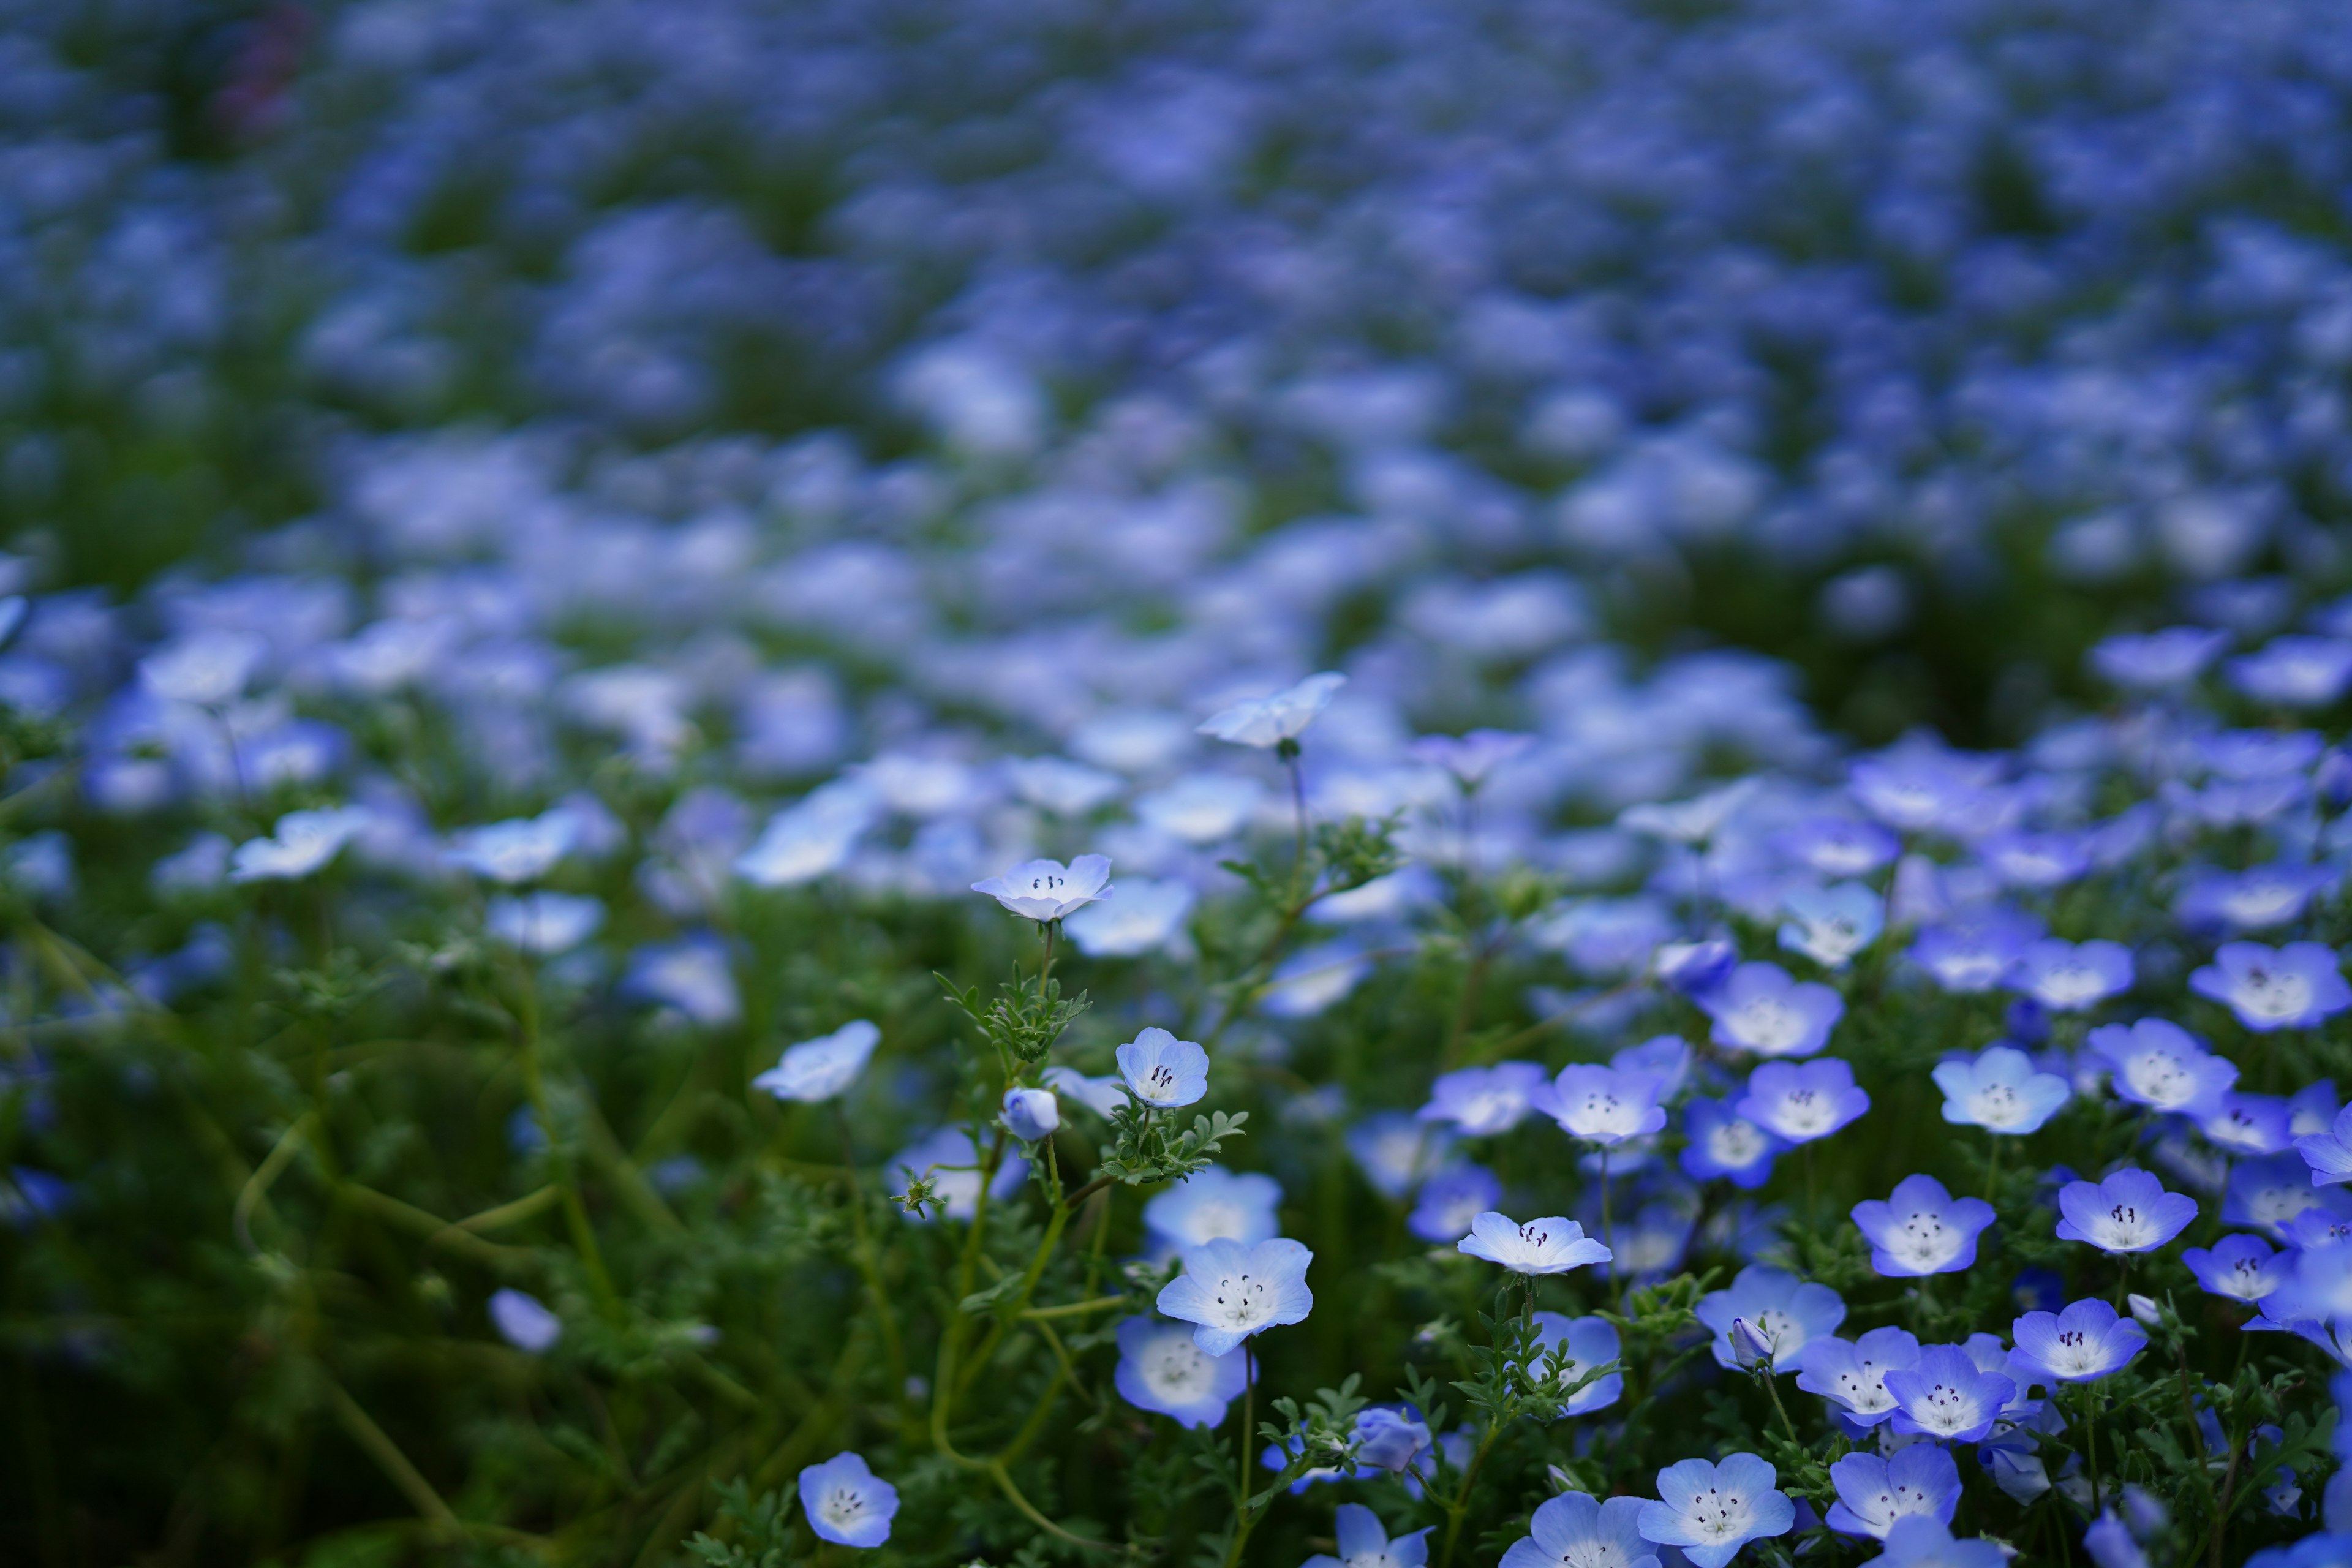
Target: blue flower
x=1390, y=1437
x=2267, y=1195
x=2329, y=1153
x=1163, y=1072
x=2161, y=1066
x=1922, y=1229
x=1604, y=1106
x=1363, y=1543
x=1547, y=1245
x=1974, y=951
x=2242, y=1268
x=1482, y=1101
x=1450, y=1200
x=2256, y=1124
x=1264, y=722
x=2159, y=660
x=2109, y=1544
x=1396, y=1151
x=2128, y=1211
x=1760, y=1008
x=1146, y=917
x=1589, y=1342
x=847, y=1503
x=1232, y=1292
x=1047, y=890
x=819, y=1069
x=1711, y=1510
x=1163, y=1368
x=2081, y=1344
x=1215, y=1205
x=1873, y=1492
x=1031, y=1114
x=1802, y=1101
x=1577, y=1529
x=2270, y=988
x=1945, y=1395
x=523, y=849
x=1838, y=845
x=2001, y=1091
x=2254, y=899
x=523, y=1321
x=694, y=975
x=1831, y=924
x=1922, y=1541
x=1787, y=1312
x=1724, y=1143
x=2067, y=977
x=1852, y=1375
x=950, y=1159
x=2294, y=671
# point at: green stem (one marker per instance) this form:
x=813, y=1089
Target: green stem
x=558, y=1159
x=1459, y=1508
x=1249, y=1421
x=2091, y=1446
x=1772, y=1386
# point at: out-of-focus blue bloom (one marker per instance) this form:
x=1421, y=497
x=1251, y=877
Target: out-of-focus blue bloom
x=544, y=923
x=2256, y=900
x=1788, y=1312
x=1471, y=758
x=2157, y=661
x=1830, y=925
x=1450, y=1200
x=2290, y=987
x=2109, y=1544
x=2329, y=1153
x=1800, y=1101
x=1397, y=1151
x=1852, y=1376
x=953, y=1159
x=1922, y=1229
x=302, y=843
x=1589, y=1343
x=1838, y=845
x=2161, y=1066
x=1760, y=1008
x=695, y=974
x=1147, y=917
x=1694, y=968
x=1575, y=1528
x=1922, y=1541
x=1946, y=1396
x=811, y=839
x=2254, y=1124
x=1874, y=1492
x=1722, y=1143
x=523, y=1321
x=1265, y=721
x=1975, y=950
x=2242, y=1268
x=1604, y=1106
x=2267, y=1195
x=1215, y=1205
x=2001, y=1091
x=2296, y=671
x=1313, y=979
x=1711, y=1510
x=2068, y=977
x=2128, y=1211
x=1482, y=1101
x=822, y=1068
x=1161, y=1368
x=523, y=849
x=2086, y=1341
x=1201, y=808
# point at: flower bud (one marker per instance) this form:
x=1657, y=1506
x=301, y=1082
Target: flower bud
x=1749, y=1348
x=1031, y=1114
x=2144, y=1309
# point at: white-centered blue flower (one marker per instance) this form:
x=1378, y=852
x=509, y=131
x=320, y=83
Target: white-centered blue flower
x=2128, y=1211
x=1946, y=1396
x=1851, y=1375
x=1363, y=1543
x=1924, y=1540
x=812, y=839
x=1922, y=1229
x=1162, y=1071
x=1269, y=720
x=1873, y=1492
x=303, y=842
x=2002, y=1091
x=1788, y=1313
x=520, y=849
x=1146, y=917
x=2085, y=1342
x=1580, y=1344
x=1215, y=1205
x=847, y=1504
x=1163, y=1368
x=1830, y=925
x=2291, y=987
x=1576, y=1530
x=2158, y=1064
x=1047, y=890
x=1547, y=1245
x=544, y=923
x=1230, y=1292
x=1711, y=1510
x=524, y=1321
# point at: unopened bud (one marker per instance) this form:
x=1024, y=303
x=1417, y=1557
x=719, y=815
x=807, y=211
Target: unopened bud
x=1031, y=1114
x=2146, y=1309
x=1749, y=1348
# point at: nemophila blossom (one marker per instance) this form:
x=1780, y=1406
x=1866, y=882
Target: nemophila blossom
x=1974, y=950
x=1396, y=1151
x=1264, y=722
x=1800, y=1101
x=2312, y=1110
x=1945, y=1395
x=1873, y=1492
x=1852, y=1376
x=1470, y=758
x=2254, y=1124
x=204, y=668
x=523, y=1321
x=1364, y=1543
x=1161, y=1368
x=1922, y=1229
x=1923, y=1540
x=521, y=849
x=2067, y=977
x=1665, y=1057
x=2268, y=1194
x=694, y=976
x=1313, y=979
x=1231, y=1291
x=1830, y=925
x=2160, y=660
x=1576, y=1530
x=2084, y=1344
x=2161, y=1066
x=1547, y=1245
x=812, y=839
x=1450, y=1200
x=2294, y=671
x=1103, y=1096
x=302, y=843
x=2256, y=900
x=2329, y=1153
x=2128, y=1211
x=2037, y=860
x=1215, y=1205
x=1390, y=1437
x=847, y=1503
x=1604, y=1106
x=1650, y=1243
x=1062, y=786
x=1694, y=821
x=1147, y=917
x=1201, y=808
x=2290, y=987
x=1161, y=1071
x=819, y=1069
x=1047, y=890
x=952, y=1160
x=1711, y=1510
x=1723, y=1142
x=1031, y=1114
x=1694, y=968
x=543, y=924
x=1589, y=1342
x=1787, y=1312
x=1919, y=788
x=1838, y=845
x=2002, y=1091
x=1760, y=1008
x=1482, y=1101
x=2242, y=1268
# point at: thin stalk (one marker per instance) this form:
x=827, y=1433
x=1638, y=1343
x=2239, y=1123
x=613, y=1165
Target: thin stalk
x=559, y=1162
x=868, y=1265
x=1249, y=1420
x=2091, y=1446
x=1771, y=1382
x=1460, y=1507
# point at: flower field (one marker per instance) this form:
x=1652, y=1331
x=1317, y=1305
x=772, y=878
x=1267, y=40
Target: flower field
x=1004, y=784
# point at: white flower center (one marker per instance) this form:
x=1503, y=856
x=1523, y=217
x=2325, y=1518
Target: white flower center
x=843, y=1506
x=2269, y=995
x=1735, y=1144
x=2071, y=985
x=1997, y=1105
x=1768, y=1024
x=1175, y=1369
x=1945, y=1410
x=1242, y=1302
x=2161, y=1077
x=2125, y=1226
x=1924, y=1240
